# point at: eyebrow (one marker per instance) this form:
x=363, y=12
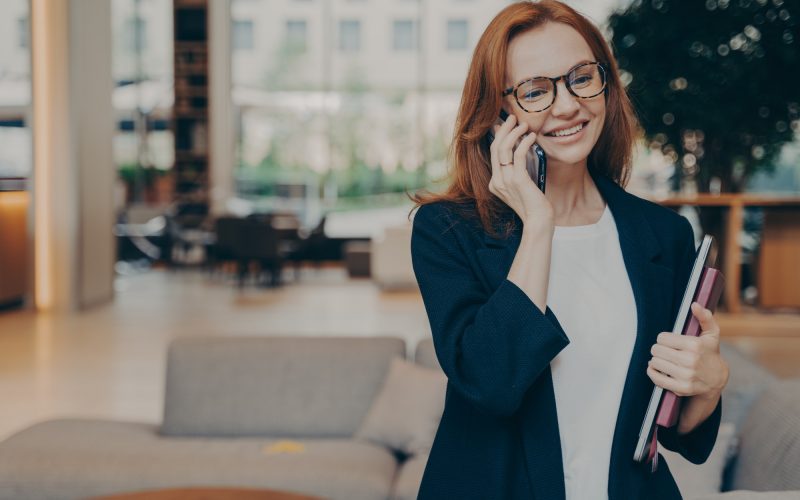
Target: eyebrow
x=582, y=61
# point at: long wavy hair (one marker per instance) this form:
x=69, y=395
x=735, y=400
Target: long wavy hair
x=469, y=166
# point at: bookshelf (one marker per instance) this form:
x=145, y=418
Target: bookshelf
x=190, y=111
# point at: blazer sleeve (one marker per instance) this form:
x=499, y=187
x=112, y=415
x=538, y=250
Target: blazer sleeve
x=696, y=445
x=491, y=346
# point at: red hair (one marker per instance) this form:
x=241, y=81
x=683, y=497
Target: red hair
x=481, y=100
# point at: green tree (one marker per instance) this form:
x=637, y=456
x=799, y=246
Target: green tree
x=714, y=82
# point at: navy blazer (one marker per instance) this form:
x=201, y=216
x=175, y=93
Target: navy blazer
x=498, y=437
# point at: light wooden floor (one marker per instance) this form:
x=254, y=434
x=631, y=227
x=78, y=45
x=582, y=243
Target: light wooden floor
x=109, y=362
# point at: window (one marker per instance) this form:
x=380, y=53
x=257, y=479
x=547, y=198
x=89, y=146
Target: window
x=22, y=32
x=243, y=35
x=349, y=35
x=404, y=35
x=457, y=34
x=136, y=34
x=296, y=30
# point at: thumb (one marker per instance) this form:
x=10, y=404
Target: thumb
x=706, y=319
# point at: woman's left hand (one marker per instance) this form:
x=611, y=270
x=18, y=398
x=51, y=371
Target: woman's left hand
x=690, y=366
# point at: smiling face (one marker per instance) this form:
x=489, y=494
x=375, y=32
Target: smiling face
x=571, y=126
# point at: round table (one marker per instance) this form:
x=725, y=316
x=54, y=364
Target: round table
x=208, y=494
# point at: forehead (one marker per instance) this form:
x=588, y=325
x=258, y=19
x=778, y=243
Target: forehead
x=547, y=50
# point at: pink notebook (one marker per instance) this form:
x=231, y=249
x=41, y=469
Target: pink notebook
x=707, y=294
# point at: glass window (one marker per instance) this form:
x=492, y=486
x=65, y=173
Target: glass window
x=142, y=68
x=457, y=34
x=296, y=34
x=23, y=32
x=243, y=35
x=16, y=153
x=404, y=35
x=349, y=35
x=365, y=114
x=136, y=34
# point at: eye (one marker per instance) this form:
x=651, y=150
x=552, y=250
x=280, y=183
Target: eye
x=580, y=80
x=534, y=90
x=533, y=95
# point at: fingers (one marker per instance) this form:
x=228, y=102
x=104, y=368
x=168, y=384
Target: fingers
x=669, y=368
x=679, y=387
x=494, y=148
x=499, y=135
x=522, y=150
x=680, y=342
x=507, y=145
x=687, y=359
x=510, y=146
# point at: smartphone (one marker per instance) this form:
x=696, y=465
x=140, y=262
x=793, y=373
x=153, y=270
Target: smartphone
x=536, y=163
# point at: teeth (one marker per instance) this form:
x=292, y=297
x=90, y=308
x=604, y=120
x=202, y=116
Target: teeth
x=568, y=131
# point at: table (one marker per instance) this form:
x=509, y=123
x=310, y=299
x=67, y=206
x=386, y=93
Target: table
x=208, y=494
x=779, y=259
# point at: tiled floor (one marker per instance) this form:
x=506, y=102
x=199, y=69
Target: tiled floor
x=109, y=362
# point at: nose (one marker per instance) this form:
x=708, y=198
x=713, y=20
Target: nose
x=565, y=104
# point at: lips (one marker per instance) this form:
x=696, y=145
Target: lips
x=574, y=126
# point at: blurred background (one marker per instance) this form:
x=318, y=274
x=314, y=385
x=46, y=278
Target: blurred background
x=190, y=168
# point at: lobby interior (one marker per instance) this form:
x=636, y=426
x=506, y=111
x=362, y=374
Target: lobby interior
x=111, y=229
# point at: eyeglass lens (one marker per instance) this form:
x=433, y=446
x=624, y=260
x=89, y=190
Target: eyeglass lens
x=585, y=81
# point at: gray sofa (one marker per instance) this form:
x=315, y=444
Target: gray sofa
x=227, y=400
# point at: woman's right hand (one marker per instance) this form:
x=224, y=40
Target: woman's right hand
x=510, y=180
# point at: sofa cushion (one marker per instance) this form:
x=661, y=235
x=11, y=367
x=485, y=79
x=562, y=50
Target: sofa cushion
x=71, y=458
x=750, y=495
x=705, y=478
x=747, y=379
x=274, y=386
x=405, y=414
x=409, y=477
x=425, y=355
x=769, y=442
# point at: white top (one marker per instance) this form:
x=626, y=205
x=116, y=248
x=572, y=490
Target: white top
x=590, y=294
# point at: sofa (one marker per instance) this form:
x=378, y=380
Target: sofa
x=288, y=414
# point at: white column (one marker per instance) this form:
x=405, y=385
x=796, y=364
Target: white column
x=222, y=133
x=73, y=177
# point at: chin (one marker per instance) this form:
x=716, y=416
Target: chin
x=569, y=157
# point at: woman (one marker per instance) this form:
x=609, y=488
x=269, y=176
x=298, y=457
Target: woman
x=546, y=309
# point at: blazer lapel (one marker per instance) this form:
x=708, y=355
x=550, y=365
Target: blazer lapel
x=652, y=285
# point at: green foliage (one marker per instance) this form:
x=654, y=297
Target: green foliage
x=128, y=172
x=714, y=82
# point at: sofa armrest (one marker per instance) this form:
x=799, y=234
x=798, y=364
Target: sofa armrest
x=769, y=441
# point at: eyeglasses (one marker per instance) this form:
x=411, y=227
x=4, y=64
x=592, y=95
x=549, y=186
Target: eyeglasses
x=539, y=93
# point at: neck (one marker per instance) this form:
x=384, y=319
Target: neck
x=571, y=189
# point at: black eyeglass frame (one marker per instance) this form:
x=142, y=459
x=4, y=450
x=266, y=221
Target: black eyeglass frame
x=555, y=80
